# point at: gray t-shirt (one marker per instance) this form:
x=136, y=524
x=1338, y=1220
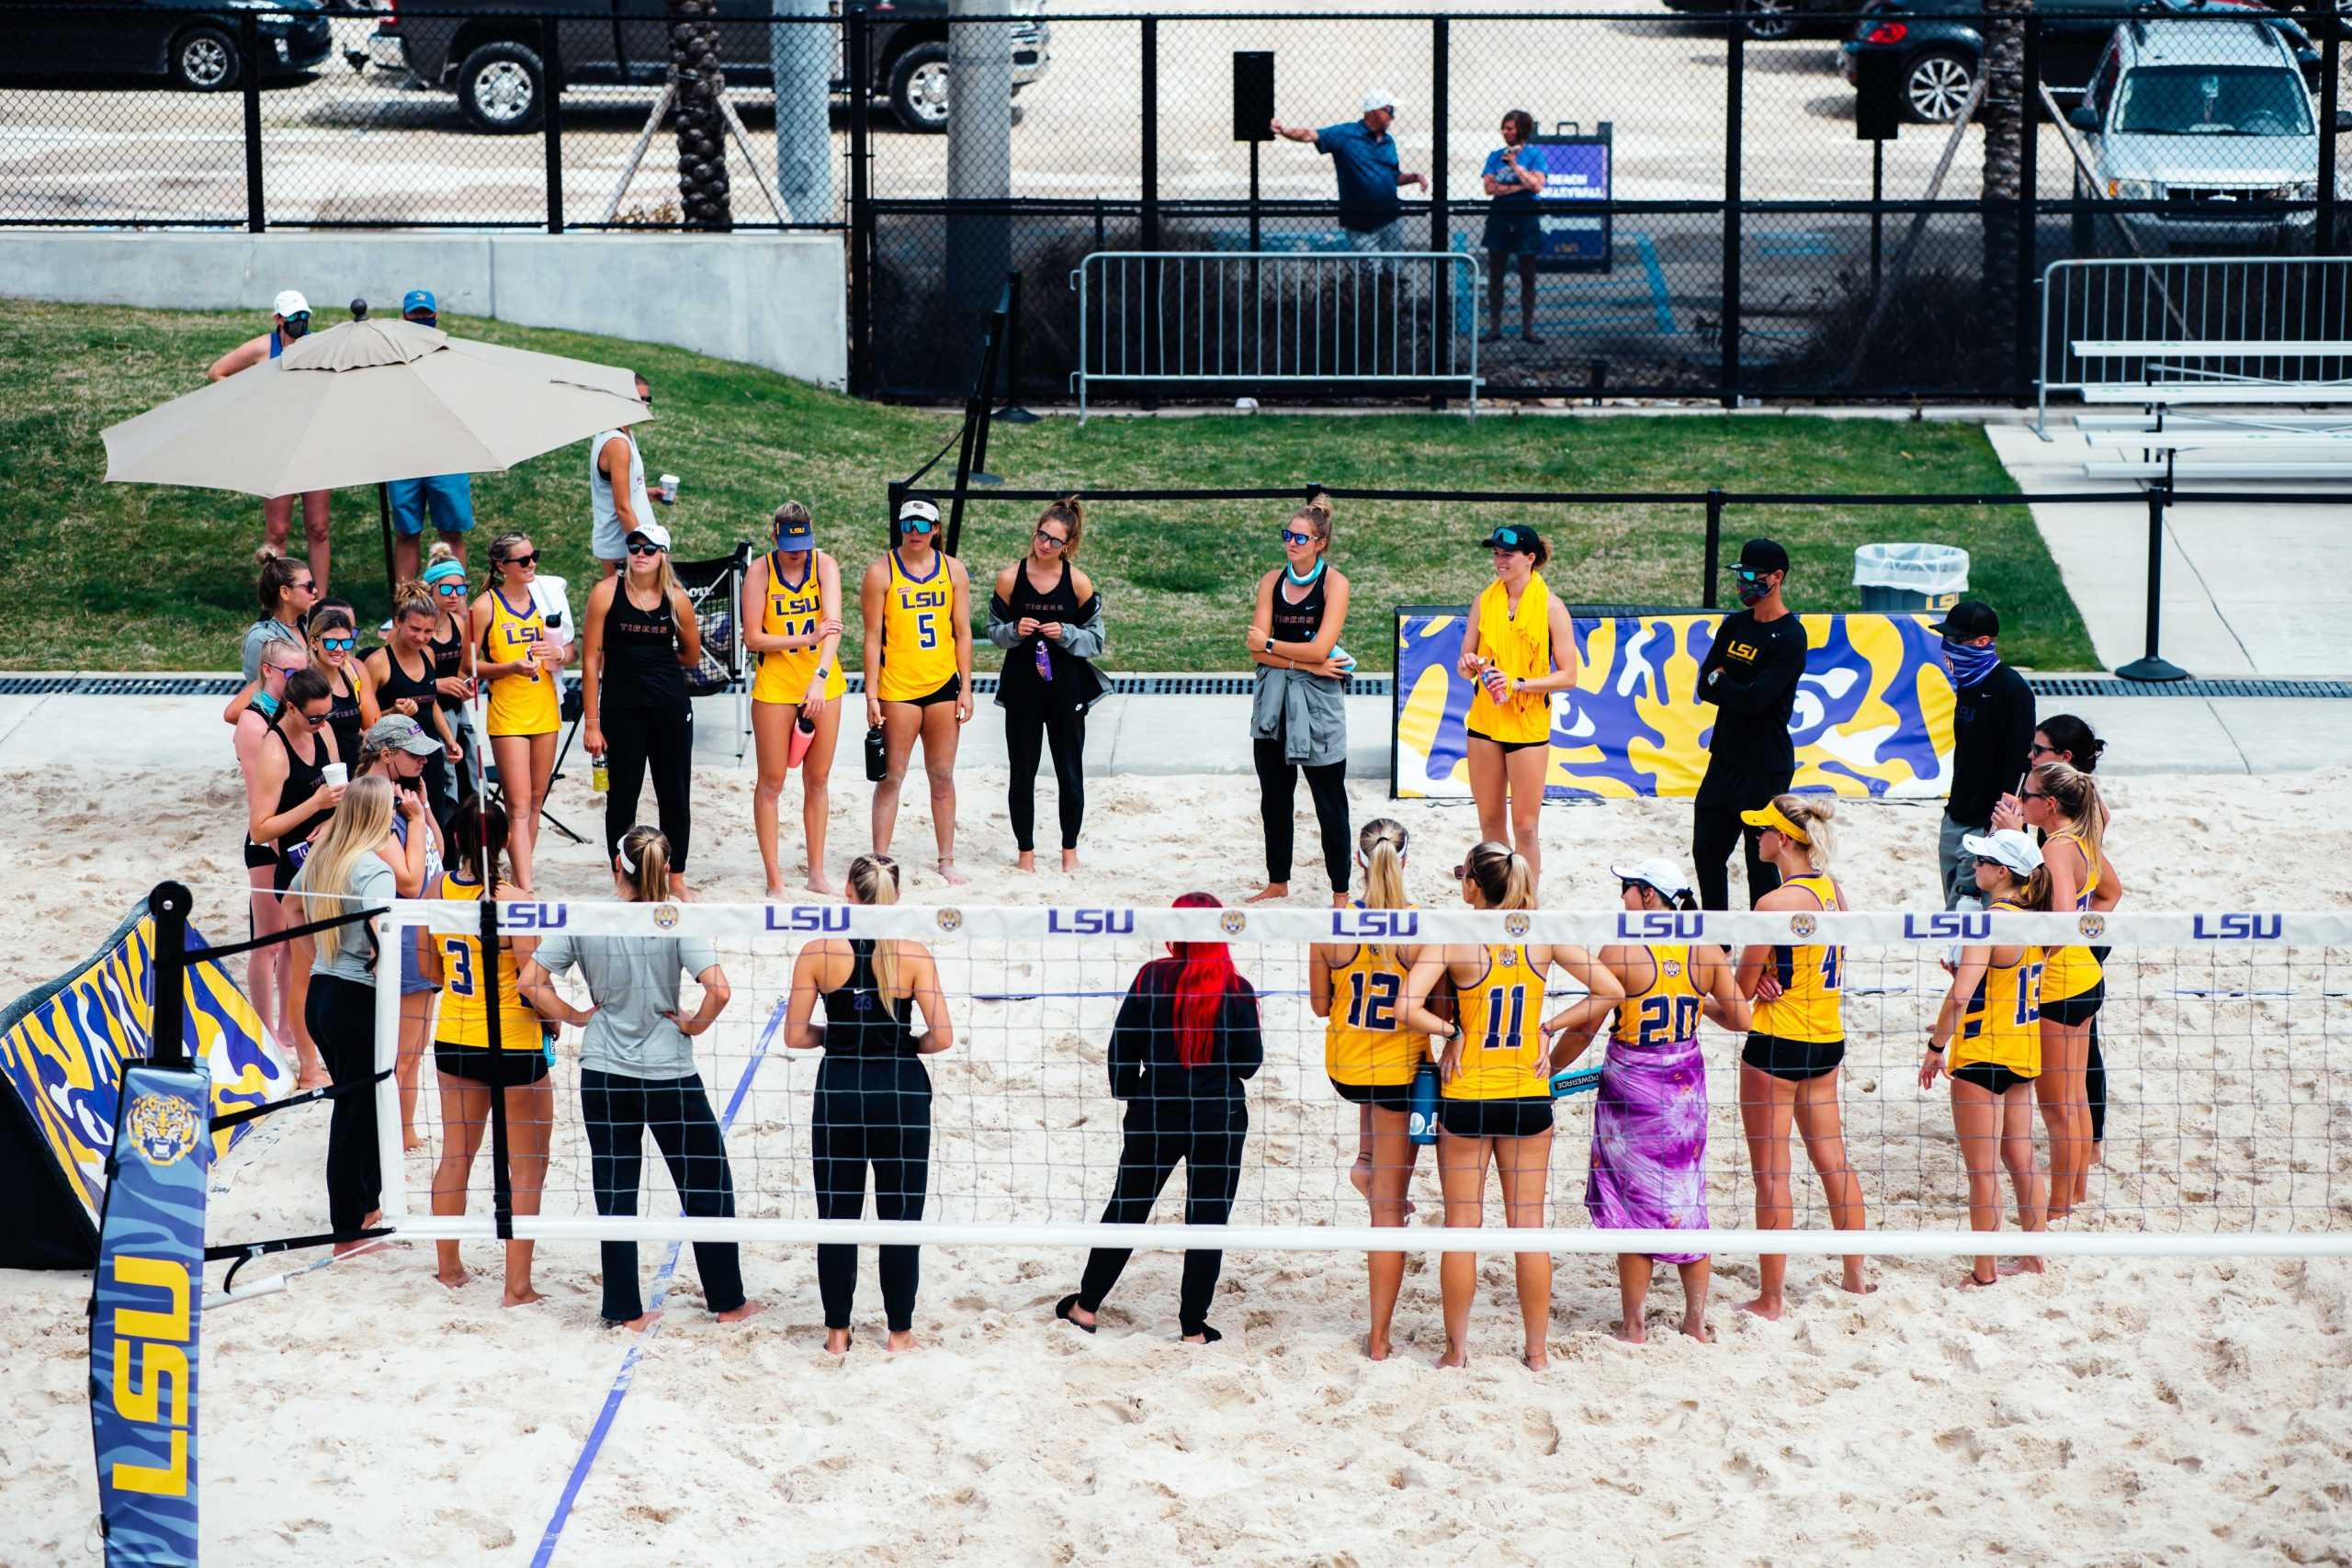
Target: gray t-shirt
x=258, y=636
x=633, y=980
x=372, y=885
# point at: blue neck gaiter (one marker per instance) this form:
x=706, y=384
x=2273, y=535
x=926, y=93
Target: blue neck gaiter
x=1970, y=663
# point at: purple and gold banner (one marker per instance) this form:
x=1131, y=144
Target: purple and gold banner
x=1874, y=713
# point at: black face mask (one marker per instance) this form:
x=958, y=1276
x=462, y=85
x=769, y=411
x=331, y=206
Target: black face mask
x=294, y=327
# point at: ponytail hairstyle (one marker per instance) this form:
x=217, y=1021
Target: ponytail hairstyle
x=477, y=842
x=1201, y=986
x=1501, y=877
x=2075, y=793
x=1380, y=849
x=874, y=882
x=2071, y=736
x=1813, y=815
x=442, y=552
x=2034, y=891
x=643, y=859
x=501, y=550
x=1071, y=513
x=1315, y=515
x=360, y=825
x=276, y=577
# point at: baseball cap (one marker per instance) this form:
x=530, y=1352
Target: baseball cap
x=919, y=506
x=653, y=533
x=1380, y=98
x=1513, y=537
x=1660, y=875
x=1760, y=556
x=419, y=299
x=2008, y=846
x=289, y=302
x=795, y=534
x=1969, y=618
x=397, y=732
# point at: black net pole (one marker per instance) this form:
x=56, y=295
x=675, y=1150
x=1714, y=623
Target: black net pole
x=1734, y=110
x=249, y=42
x=168, y=903
x=2028, y=316
x=1714, y=549
x=2153, y=665
x=2331, y=102
x=859, y=48
x=551, y=85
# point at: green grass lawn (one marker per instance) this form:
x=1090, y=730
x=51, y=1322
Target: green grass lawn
x=135, y=577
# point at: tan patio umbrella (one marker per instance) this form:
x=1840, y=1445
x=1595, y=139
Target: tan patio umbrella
x=371, y=401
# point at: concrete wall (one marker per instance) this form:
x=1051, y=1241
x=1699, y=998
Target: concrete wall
x=776, y=300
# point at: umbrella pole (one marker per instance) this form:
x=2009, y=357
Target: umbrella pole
x=384, y=521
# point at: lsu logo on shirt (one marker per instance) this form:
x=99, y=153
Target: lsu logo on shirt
x=1745, y=652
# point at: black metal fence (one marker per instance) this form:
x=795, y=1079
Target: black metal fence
x=1739, y=235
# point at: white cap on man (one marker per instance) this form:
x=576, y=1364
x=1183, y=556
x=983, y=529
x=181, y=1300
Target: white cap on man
x=1380, y=98
x=289, y=302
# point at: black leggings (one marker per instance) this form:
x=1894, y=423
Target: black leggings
x=662, y=739
x=619, y=1111
x=340, y=1016
x=1207, y=1136
x=1027, y=725
x=2095, y=1085
x=871, y=1112
x=1278, y=801
x=1714, y=829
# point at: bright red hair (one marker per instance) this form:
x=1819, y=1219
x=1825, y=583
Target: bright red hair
x=1201, y=986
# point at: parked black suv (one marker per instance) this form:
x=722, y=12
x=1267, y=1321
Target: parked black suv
x=194, y=42
x=495, y=62
x=1942, y=44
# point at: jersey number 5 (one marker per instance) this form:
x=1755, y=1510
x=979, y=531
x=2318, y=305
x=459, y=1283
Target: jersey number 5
x=926, y=634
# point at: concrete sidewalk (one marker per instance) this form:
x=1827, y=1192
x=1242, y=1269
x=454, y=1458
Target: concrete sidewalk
x=1156, y=736
x=2248, y=589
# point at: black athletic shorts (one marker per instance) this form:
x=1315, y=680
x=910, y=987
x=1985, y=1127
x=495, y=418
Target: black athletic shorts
x=1993, y=1079
x=1495, y=1118
x=947, y=693
x=1396, y=1097
x=1508, y=746
x=1794, y=1060
x=2077, y=1010
x=496, y=1070
x=259, y=856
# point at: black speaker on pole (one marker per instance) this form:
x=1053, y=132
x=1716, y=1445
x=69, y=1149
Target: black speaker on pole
x=1254, y=95
x=1878, y=95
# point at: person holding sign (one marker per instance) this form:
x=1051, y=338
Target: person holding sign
x=1513, y=227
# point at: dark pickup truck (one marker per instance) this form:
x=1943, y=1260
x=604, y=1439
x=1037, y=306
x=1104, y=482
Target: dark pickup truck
x=495, y=63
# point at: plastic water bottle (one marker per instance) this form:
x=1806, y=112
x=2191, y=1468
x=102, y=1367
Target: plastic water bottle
x=1966, y=904
x=1420, y=1125
x=1045, y=661
x=599, y=780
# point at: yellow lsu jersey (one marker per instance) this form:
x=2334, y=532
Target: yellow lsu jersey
x=2068, y=972
x=918, y=631
x=1362, y=1043
x=1812, y=978
x=793, y=610
x=524, y=703
x=1666, y=1013
x=2002, y=1024
x=1503, y=1055
x=464, y=1021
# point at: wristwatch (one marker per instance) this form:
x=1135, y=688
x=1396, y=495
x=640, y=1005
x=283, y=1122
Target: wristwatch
x=823, y=671
x=1270, y=645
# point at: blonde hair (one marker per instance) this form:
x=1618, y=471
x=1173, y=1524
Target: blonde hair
x=1812, y=813
x=645, y=862
x=1501, y=877
x=1317, y=516
x=412, y=598
x=1380, y=844
x=663, y=578
x=501, y=549
x=1071, y=513
x=441, y=551
x=875, y=880
x=2075, y=793
x=360, y=826
x=790, y=512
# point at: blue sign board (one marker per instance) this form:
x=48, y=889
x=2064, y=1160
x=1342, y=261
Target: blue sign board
x=1577, y=172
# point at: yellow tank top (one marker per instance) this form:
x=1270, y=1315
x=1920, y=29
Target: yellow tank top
x=790, y=611
x=918, y=632
x=1503, y=1056
x=1666, y=1013
x=1521, y=646
x=2068, y=972
x=463, y=1020
x=2003, y=1022
x=1362, y=1043
x=524, y=703
x=1807, y=1009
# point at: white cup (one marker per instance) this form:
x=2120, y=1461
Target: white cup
x=334, y=773
x=669, y=490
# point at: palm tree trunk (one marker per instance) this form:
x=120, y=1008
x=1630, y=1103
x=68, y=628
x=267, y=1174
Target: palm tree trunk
x=2007, y=120
x=701, y=130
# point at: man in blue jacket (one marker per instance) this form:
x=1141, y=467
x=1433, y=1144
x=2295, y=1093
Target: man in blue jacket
x=1363, y=158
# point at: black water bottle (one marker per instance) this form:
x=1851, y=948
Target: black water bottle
x=878, y=756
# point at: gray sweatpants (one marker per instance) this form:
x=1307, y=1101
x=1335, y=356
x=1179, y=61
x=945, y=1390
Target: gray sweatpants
x=1959, y=866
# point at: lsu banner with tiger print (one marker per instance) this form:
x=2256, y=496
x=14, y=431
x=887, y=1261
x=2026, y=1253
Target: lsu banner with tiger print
x=1874, y=713
x=62, y=1048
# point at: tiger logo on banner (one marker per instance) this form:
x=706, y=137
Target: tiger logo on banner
x=63, y=1049
x=1874, y=713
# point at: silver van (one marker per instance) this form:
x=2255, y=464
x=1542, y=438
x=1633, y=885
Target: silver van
x=2207, y=117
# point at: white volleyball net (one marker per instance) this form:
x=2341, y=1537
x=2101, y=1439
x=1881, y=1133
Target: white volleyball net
x=2225, y=1101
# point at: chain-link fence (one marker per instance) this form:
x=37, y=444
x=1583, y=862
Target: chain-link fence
x=1792, y=199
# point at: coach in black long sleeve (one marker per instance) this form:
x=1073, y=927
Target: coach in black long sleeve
x=1751, y=675
x=1991, y=731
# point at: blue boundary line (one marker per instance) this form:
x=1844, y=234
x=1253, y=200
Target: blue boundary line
x=628, y=1373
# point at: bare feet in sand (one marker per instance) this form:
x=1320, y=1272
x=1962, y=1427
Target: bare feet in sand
x=1969, y=1282
x=1376, y=1347
x=454, y=1279
x=314, y=1079
x=1770, y=1310
x=523, y=1298
x=1340, y=901
x=641, y=1321
x=837, y=1342
x=410, y=1142
x=1697, y=1329
x=1537, y=1359
x=1069, y=860
x=2018, y=1266
x=1853, y=1284
x=948, y=873
x=1629, y=1332
x=1360, y=1175
x=737, y=1314
x=821, y=884
x=1026, y=862
x=1271, y=891
x=901, y=1339
x=1455, y=1357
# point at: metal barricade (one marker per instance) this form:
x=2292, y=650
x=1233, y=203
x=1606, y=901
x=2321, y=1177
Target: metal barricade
x=1274, y=318
x=2167, y=331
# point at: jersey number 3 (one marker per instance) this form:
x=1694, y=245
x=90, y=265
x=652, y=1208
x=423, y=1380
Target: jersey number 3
x=459, y=957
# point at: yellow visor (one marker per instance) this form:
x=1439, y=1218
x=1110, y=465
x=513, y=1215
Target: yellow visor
x=1774, y=817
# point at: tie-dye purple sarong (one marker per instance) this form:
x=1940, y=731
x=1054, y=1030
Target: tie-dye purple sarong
x=1650, y=1143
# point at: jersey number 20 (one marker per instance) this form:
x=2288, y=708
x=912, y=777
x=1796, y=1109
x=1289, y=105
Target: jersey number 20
x=1665, y=1019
